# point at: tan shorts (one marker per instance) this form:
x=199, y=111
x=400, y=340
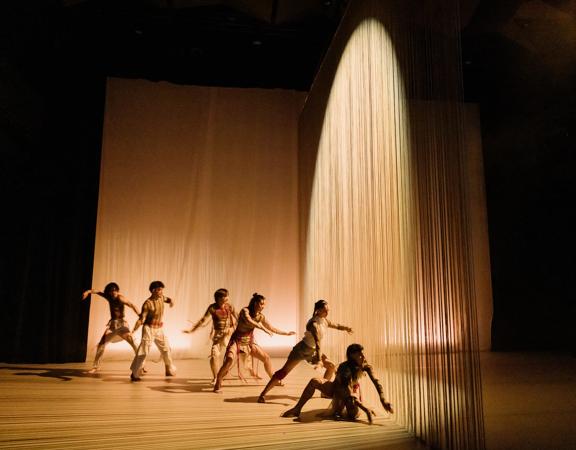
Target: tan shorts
x=302, y=352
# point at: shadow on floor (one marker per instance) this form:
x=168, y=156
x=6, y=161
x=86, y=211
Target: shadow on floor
x=183, y=386
x=63, y=374
x=254, y=399
x=321, y=415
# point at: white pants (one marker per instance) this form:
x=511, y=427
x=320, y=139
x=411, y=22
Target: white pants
x=150, y=334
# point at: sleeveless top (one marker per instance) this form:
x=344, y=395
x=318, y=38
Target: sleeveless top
x=221, y=316
x=116, y=308
x=153, y=311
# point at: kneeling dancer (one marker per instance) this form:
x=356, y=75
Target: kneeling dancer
x=344, y=389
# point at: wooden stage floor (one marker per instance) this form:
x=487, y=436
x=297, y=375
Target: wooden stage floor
x=57, y=406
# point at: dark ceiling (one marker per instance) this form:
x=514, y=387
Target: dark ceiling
x=262, y=43
x=266, y=43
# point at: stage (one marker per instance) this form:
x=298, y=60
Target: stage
x=55, y=406
x=529, y=402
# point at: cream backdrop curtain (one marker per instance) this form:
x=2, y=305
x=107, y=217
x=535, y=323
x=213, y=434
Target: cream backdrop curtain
x=198, y=189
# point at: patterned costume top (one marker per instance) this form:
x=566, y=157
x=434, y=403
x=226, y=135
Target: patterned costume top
x=320, y=324
x=153, y=311
x=222, y=319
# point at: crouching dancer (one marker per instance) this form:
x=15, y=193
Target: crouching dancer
x=344, y=389
x=151, y=318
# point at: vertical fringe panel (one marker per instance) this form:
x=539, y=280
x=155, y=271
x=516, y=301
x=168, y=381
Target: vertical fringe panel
x=385, y=236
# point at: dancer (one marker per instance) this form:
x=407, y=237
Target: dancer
x=242, y=340
x=309, y=348
x=116, y=328
x=224, y=320
x=344, y=389
x=151, y=318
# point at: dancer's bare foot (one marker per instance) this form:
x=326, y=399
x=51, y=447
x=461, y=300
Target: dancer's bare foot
x=261, y=399
x=133, y=378
x=254, y=374
x=370, y=414
x=291, y=413
x=92, y=370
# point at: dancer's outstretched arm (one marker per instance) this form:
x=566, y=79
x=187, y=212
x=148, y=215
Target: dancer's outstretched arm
x=337, y=326
x=201, y=322
x=246, y=316
x=276, y=330
x=85, y=294
x=128, y=303
x=387, y=406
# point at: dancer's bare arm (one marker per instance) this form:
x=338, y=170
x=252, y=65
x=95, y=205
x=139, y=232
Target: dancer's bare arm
x=201, y=322
x=128, y=303
x=246, y=316
x=85, y=294
x=337, y=326
x=387, y=406
x=276, y=330
x=142, y=317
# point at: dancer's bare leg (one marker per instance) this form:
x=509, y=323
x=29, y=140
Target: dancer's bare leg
x=313, y=384
x=330, y=368
x=353, y=410
x=106, y=337
x=252, y=370
x=261, y=355
x=214, y=367
x=98, y=357
x=222, y=372
x=128, y=338
x=215, y=359
x=329, y=373
x=277, y=377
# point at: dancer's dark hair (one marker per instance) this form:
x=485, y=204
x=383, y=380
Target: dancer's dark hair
x=353, y=348
x=111, y=287
x=256, y=298
x=220, y=293
x=319, y=305
x=155, y=285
